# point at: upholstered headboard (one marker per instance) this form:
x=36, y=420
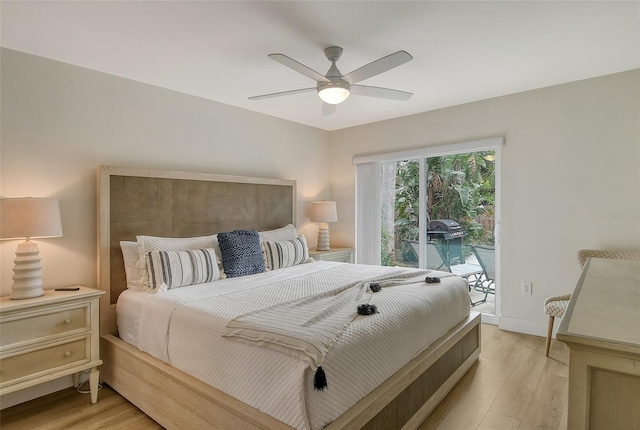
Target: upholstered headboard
x=168, y=203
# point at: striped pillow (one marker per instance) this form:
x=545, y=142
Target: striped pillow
x=148, y=244
x=278, y=255
x=173, y=269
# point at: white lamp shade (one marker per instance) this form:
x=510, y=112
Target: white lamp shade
x=29, y=218
x=324, y=211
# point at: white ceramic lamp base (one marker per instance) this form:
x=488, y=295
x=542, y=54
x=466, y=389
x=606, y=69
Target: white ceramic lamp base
x=27, y=272
x=323, y=237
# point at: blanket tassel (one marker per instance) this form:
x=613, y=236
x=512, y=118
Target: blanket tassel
x=320, y=380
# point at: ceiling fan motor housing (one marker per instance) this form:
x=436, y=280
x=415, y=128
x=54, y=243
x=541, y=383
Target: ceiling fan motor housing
x=335, y=83
x=340, y=88
x=333, y=53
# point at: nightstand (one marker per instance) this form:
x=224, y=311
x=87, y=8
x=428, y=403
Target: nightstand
x=342, y=255
x=49, y=337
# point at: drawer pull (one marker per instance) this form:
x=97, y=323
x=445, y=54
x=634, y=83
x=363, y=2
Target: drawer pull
x=67, y=321
x=67, y=354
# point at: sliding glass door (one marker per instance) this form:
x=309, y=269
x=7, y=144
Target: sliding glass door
x=440, y=212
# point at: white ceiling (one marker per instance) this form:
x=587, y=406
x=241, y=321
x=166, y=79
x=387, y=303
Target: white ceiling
x=463, y=51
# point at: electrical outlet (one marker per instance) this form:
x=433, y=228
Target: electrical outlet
x=526, y=288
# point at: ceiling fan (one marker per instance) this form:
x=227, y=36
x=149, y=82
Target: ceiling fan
x=334, y=87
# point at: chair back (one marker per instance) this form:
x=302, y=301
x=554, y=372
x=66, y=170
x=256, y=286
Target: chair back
x=409, y=253
x=486, y=256
x=435, y=260
x=585, y=254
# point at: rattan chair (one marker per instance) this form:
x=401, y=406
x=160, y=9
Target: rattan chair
x=556, y=306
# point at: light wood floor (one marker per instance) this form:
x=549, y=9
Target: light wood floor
x=513, y=386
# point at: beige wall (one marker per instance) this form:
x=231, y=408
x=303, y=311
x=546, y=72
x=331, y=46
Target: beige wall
x=59, y=122
x=570, y=177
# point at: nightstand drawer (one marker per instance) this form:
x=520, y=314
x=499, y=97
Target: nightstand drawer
x=43, y=359
x=23, y=328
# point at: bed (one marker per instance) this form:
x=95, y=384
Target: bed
x=183, y=204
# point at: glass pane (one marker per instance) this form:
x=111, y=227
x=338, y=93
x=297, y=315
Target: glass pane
x=460, y=198
x=460, y=209
x=461, y=188
x=399, y=213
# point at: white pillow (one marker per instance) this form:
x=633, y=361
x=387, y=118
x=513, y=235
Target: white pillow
x=135, y=275
x=155, y=243
x=148, y=244
x=288, y=232
x=286, y=253
x=173, y=269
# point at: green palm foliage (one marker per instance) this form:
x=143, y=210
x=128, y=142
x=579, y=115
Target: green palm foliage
x=461, y=187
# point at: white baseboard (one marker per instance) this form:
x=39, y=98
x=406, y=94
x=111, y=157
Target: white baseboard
x=490, y=319
x=518, y=325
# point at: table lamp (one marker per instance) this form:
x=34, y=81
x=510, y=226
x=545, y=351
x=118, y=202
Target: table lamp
x=28, y=218
x=323, y=212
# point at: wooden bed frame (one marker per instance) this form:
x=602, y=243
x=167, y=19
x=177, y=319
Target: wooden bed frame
x=180, y=204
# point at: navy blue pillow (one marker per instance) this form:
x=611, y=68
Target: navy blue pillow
x=241, y=253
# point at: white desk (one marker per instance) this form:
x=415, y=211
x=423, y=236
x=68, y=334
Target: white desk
x=602, y=329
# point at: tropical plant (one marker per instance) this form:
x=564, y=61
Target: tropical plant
x=459, y=187
x=407, y=208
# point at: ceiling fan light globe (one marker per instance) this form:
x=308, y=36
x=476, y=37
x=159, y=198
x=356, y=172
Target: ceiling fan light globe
x=333, y=95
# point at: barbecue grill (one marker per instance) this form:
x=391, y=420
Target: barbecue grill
x=448, y=234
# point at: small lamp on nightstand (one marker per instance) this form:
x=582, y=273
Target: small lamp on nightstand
x=28, y=218
x=323, y=212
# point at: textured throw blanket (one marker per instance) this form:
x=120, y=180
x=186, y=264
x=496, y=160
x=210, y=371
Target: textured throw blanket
x=307, y=328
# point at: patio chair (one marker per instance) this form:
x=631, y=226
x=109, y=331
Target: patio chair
x=409, y=253
x=486, y=282
x=436, y=261
x=556, y=306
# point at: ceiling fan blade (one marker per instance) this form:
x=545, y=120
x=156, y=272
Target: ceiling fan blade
x=282, y=93
x=385, y=93
x=298, y=67
x=379, y=66
x=328, y=109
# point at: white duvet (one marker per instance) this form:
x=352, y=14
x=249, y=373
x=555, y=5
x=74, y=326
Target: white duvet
x=183, y=327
